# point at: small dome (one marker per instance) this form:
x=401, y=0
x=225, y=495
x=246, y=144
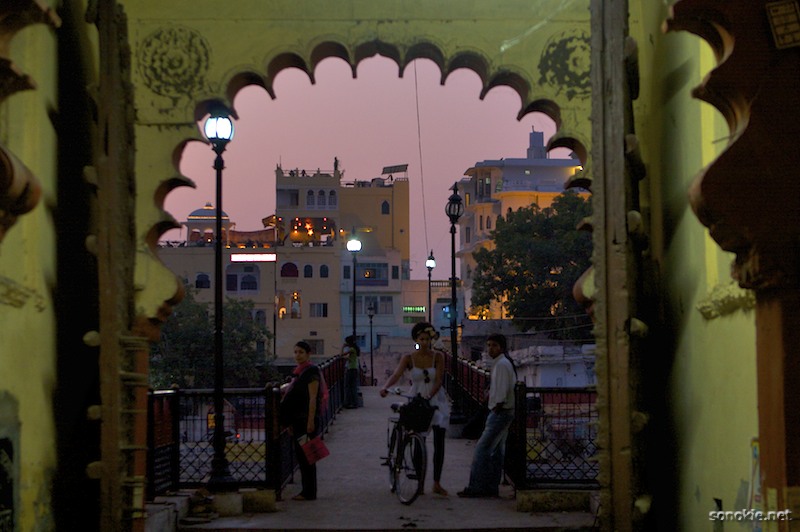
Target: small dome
x=206, y=213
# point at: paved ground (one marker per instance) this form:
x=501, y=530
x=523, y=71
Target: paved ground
x=354, y=489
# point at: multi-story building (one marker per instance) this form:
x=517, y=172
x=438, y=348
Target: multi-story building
x=495, y=187
x=297, y=270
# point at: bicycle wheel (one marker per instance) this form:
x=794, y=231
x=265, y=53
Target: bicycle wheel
x=391, y=460
x=410, y=468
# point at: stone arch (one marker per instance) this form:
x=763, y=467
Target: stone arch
x=503, y=46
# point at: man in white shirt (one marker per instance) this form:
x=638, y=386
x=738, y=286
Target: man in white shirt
x=487, y=462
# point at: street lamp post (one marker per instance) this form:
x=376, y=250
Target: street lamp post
x=371, y=314
x=354, y=246
x=430, y=264
x=219, y=131
x=454, y=210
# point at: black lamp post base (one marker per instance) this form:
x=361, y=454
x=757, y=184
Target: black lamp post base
x=221, y=478
x=222, y=484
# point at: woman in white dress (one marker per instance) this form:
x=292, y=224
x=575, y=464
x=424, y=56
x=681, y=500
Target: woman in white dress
x=426, y=369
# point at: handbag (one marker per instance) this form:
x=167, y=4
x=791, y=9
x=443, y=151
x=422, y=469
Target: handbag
x=417, y=414
x=315, y=450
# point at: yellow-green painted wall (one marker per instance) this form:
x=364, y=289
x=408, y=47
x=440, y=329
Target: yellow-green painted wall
x=27, y=279
x=712, y=377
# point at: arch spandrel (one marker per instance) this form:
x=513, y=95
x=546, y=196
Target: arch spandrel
x=180, y=58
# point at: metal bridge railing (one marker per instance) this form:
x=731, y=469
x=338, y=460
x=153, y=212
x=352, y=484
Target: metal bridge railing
x=259, y=451
x=553, y=440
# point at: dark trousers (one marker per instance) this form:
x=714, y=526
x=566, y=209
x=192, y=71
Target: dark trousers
x=438, y=451
x=308, y=473
x=351, y=388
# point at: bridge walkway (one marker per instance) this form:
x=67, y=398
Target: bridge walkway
x=353, y=489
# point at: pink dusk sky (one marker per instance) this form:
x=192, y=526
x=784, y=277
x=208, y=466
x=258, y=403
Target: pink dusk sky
x=367, y=123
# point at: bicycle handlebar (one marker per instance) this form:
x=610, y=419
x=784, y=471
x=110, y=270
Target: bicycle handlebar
x=398, y=391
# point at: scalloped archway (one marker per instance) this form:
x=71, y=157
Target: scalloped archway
x=180, y=65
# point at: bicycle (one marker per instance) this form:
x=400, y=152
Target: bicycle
x=407, y=456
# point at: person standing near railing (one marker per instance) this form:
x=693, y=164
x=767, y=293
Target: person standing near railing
x=352, y=353
x=487, y=462
x=304, y=400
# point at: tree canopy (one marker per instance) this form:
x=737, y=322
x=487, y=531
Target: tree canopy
x=185, y=354
x=538, y=256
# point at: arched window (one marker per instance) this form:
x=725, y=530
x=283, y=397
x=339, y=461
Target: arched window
x=248, y=282
x=202, y=281
x=467, y=234
x=310, y=198
x=242, y=277
x=308, y=271
x=488, y=222
x=385, y=207
x=321, y=198
x=332, y=198
x=508, y=213
x=289, y=270
x=480, y=224
x=294, y=307
x=323, y=271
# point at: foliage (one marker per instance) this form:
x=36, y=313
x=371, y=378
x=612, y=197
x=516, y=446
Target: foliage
x=538, y=256
x=185, y=354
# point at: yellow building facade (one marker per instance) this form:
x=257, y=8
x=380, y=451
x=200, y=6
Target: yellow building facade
x=492, y=189
x=297, y=271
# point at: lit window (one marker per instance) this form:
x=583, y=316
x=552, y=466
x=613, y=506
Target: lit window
x=295, y=306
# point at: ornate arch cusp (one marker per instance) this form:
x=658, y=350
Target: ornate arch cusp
x=19, y=188
x=748, y=197
x=178, y=60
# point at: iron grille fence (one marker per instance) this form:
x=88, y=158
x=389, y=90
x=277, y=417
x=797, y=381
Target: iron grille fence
x=259, y=451
x=553, y=441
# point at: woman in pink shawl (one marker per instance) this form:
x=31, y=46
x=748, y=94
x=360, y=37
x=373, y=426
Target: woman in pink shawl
x=303, y=402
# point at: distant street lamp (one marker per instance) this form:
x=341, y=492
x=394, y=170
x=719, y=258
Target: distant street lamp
x=430, y=264
x=219, y=131
x=371, y=314
x=454, y=210
x=354, y=246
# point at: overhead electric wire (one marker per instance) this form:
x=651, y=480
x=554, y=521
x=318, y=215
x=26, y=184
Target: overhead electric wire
x=552, y=317
x=419, y=145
